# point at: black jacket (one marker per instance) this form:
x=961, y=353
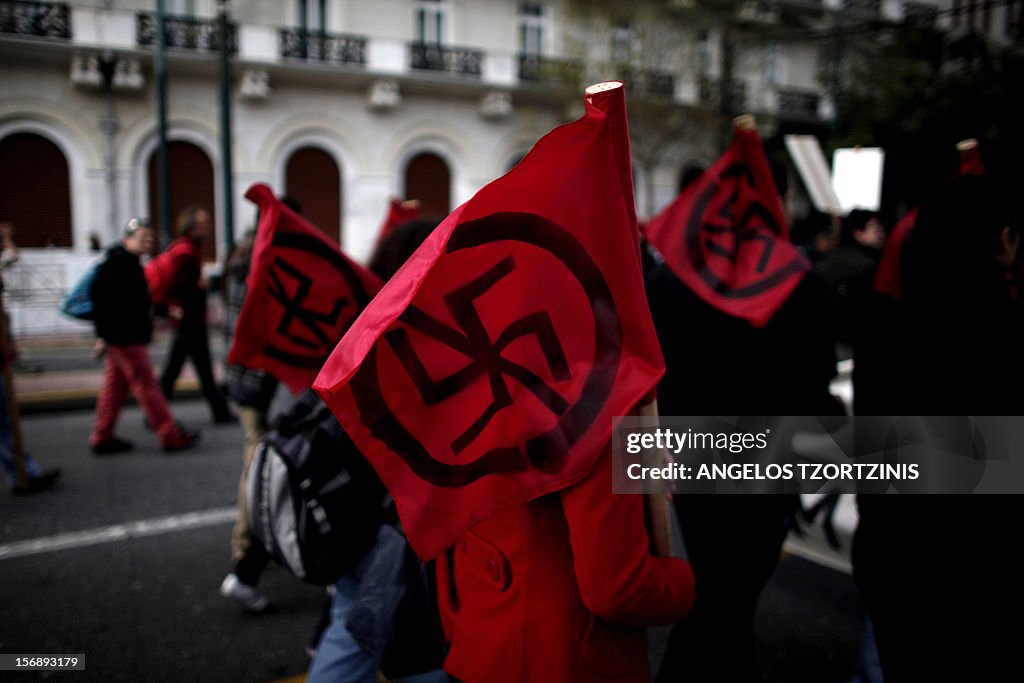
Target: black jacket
x=121, y=303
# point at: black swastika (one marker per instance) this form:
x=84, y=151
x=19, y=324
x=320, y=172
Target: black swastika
x=320, y=325
x=475, y=343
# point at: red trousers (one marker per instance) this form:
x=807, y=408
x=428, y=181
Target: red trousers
x=128, y=367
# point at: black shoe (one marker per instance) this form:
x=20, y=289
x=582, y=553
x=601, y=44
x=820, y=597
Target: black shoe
x=181, y=441
x=111, y=446
x=37, y=484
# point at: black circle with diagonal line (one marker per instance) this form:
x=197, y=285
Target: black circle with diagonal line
x=546, y=450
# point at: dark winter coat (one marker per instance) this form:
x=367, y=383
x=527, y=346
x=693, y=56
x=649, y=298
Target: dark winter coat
x=121, y=303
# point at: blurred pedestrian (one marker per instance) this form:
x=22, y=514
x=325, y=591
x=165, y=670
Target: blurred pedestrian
x=338, y=657
x=252, y=392
x=938, y=572
x=37, y=479
x=124, y=328
x=718, y=363
x=849, y=273
x=186, y=296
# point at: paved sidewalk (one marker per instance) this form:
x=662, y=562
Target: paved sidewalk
x=59, y=373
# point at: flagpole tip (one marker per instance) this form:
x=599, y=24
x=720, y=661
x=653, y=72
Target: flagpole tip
x=964, y=145
x=744, y=122
x=602, y=87
x=599, y=88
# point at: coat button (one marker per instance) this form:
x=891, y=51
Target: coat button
x=461, y=546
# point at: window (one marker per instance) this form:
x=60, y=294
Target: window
x=622, y=41
x=428, y=179
x=430, y=19
x=35, y=190
x=772, y=63
x=702, y=53
x=311, y=15
x=313, y=179
x=531, y=28
x=180, y=8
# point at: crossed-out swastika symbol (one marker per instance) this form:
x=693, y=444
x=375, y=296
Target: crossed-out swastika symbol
x=317, y=323
x=723, y=241
x=521, y=449
x=475, y=343
x=712, y=243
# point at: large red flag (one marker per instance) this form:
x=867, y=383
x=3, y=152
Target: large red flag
x=725, y=236
x=303, y=293
x=488, y=370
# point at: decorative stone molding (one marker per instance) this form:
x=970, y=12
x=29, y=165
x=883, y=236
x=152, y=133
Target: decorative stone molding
x=496, y=105
x=384, y=95
x=255, y=84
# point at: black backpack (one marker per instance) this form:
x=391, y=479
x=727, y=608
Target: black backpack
x=315, y=503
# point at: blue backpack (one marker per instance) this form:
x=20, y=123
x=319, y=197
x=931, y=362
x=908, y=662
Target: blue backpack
x=78, y=302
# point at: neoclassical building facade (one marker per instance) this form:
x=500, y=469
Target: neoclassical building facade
x=344, y=103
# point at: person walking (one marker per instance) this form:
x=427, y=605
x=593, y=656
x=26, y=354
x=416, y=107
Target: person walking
x=124, y=327
x=180, y=268
x=35, y=478
x=252, y=392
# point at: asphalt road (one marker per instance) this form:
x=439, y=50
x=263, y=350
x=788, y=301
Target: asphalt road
x=141, y=602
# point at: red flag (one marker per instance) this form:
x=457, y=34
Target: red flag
x=725, y=236
x=303, y=293
x=398, y=212
x=488, y=370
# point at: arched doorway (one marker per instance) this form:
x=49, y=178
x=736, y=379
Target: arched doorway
x=35, y=191
x=313, y=180
x=428, y=179
x=191, y=184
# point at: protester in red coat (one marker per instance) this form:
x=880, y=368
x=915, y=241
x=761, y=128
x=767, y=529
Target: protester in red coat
x=559, y=589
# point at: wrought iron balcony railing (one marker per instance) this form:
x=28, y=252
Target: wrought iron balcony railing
x=709, y=94
x=455, y=60
x=547, y=71
x=650, y=82
x=318, y=46
x=801, y=104
x=40, y=19
x=184, y=33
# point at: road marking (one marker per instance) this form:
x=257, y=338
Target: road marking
x=119, y=532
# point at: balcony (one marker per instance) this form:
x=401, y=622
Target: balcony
x=36, y=19
x=648, y=82
x=709, y=92
x=546, y=71
x=184, y=33
x=453, y=60
x=318, y=46
x=797, y=104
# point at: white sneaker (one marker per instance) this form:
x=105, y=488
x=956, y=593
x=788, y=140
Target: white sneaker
x=243, y=594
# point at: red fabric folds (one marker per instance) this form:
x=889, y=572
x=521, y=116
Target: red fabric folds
x=487, y=371
x=726, y=238
x=303, y=293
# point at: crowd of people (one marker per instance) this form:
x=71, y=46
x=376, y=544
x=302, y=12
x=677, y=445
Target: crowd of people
x=563, y=587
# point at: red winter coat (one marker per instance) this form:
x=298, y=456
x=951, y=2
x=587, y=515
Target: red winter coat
x=559, y=589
